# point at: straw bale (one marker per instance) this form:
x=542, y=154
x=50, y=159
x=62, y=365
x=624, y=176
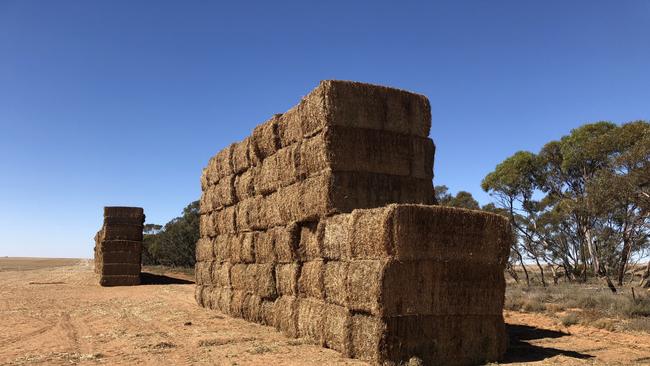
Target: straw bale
x=225, y=300
x=264, y=247
x=198, y=290
x=252, y=308
x=310, y=282
x=221, y=274
x=219, y=166
x=222, y=193
x=238, y=303
x=277, y=171
x=286, y=277
x=241, y=160
x=336, y=328
x=204, y=249
x=239, y=277
x=312, y=111
x=371, y=233
x=285, y=315
x=124, y=212
x=267, y=312
x=462, y=298
x=289, y=130
x=358, y=190
x=247, y=254
x=122, y=232
x=364, y=285
x=285, y=242
x=222, y=246
x=306, y=200
x=206, y=226
x=309, y=246
x=120, y=220
x=335, y=282
x=407, y=288
x=265, y=140
x=243, y=248
x=270, y=211
x=208, y=295
x=444, y=340
x=333, y=234
x=422, y=162
x=245, y=185
x=106, y=246
x=204, y=180
x=119, y=280
x=265, y=285
x=249, y=214
x=432, y=232
x=205, y=201
x=311, y=320
x=120, y=269
x=203, y=272
x=366, y=337
x=362, y=105
x=414, y=232
x=362, y=150
x=225, y=220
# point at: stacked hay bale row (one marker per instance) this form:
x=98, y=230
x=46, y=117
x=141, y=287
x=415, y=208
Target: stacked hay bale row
x=118, y=246
x=295, y=232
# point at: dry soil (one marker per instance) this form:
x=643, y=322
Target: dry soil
x=54, y=312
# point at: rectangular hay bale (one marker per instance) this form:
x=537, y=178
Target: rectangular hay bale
x=286, y=277
x=204, y=249
x=310, y=282
x=285, y=315
x=311, y=320
x=309, y=246
x=265, y=140
x=335, y=282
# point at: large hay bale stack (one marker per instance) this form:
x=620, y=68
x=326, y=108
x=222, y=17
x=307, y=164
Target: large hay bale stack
x=118, y=246
x=320, y=224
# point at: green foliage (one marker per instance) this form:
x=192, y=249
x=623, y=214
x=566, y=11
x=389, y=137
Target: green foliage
x=174, y=244
x=462, y=199
x=582, y=201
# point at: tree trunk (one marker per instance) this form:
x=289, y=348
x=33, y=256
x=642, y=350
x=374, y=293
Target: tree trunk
x=521, y=261
x=512, y=272
x=541, y=271
x=598, y=270
x=625, y=255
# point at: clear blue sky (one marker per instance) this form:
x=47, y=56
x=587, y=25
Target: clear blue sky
x=123, y=102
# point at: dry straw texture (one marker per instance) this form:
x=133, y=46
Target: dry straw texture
x=118, y=246
x=319, y=225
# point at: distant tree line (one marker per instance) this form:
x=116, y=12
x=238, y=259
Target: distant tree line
x=173, y=244
x=579, y=207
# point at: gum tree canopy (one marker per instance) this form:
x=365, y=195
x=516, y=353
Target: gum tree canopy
x=582, y=203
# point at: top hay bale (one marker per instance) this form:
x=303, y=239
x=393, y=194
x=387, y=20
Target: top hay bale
x=333, y=103
x=121, y=211
x=360, y=105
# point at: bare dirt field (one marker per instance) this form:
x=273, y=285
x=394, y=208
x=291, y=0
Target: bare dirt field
x=54, y=312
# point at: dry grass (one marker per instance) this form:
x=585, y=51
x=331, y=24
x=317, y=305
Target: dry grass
x=584, y=304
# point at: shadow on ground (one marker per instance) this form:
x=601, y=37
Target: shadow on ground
x=520, y=350
x=157, y=279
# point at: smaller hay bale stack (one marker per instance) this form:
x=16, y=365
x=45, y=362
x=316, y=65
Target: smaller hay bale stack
x=118, y=246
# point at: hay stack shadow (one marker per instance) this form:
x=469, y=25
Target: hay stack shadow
x=157, y=279
x=521, y=351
